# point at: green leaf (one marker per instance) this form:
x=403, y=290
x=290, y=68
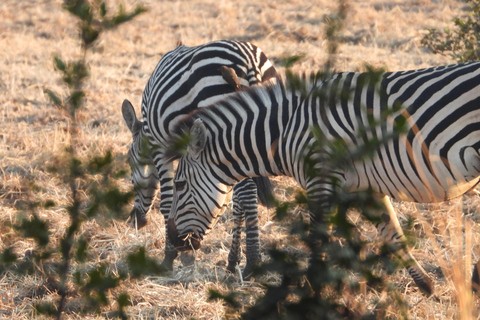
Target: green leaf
x=8, y=256
x=123, y=299
x=76, y=99
x=290, y=61
x=122, y=16
x=81, y=252
x=46, y=308
x=35, y=228
x=89, y=35
x=59, y=64
x=281, y=211
x=97, y=164
x=229, y=298
x=140, y=264
x=103, y=9
x=54, y=98
x=79, y=8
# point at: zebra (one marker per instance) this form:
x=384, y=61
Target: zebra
x=270, y=131
x=187, y=78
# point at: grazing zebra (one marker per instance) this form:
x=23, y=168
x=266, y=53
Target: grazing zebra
x=270, y=130
x=185, y=79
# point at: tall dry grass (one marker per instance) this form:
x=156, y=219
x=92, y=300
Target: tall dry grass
x=381, y=33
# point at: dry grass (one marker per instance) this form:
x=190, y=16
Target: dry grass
x=382, y=33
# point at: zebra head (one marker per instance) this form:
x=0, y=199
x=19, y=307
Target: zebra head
x=199, y=198
x=144, y=175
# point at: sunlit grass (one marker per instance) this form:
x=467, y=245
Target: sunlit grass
x=33, y=133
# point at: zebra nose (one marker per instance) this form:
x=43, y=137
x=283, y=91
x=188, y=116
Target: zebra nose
x=186, y=242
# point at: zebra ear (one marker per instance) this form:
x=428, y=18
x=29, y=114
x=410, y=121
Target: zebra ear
x=130, y=117
x=198, y=138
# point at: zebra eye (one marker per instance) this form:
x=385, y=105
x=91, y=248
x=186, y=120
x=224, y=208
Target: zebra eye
x=180, y=185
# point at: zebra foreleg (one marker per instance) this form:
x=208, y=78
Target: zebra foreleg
x=392, y=233
x=234, y=255
x=166, y=187
x=245, y=208
x=249, y=203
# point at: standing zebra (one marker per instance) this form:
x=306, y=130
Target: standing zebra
x=269, y=130
x=185, y=79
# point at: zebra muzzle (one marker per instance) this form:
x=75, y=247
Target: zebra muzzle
x=137, y=219
x=183, y=242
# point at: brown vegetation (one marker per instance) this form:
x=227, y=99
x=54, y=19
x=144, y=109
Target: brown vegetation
x=32, y=137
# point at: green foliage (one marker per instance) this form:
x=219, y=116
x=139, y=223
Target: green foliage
x=96, y=284
x=46, y=308
x=140, y=264
x=123, y=300
x=460, y=43
x=94, y=18
x=35, y=228
x=95, y=178
x=334, y=25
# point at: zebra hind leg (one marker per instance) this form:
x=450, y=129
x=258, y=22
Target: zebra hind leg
x=392, y=233
x=245, y=208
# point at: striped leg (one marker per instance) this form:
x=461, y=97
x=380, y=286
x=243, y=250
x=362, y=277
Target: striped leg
x=391, y=231
x=319, y=193
x=245, y=208
x=166, y=172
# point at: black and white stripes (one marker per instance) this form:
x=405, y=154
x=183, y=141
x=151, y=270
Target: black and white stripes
x=185, y=79
x=270, y=131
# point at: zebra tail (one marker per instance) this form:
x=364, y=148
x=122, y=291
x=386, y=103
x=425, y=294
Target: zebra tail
x=265, y=191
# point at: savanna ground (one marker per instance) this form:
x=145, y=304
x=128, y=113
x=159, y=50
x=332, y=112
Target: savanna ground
x=32, y=135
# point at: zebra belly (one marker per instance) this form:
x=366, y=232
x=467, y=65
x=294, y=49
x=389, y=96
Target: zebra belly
x=419, y=176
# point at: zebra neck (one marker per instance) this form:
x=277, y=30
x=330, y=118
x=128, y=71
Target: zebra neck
x=245, y=133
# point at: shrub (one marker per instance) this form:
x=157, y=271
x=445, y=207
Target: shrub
x=92, y=189
x=460, y=43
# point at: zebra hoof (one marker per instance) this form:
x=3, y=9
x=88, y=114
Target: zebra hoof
x=247, y=273
x=425, y=285
x=137, y=219
x=422, y=280
x=167, y=265
x=187, y=259
x=252, y=263
x=170, y=256
x=231, y=267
